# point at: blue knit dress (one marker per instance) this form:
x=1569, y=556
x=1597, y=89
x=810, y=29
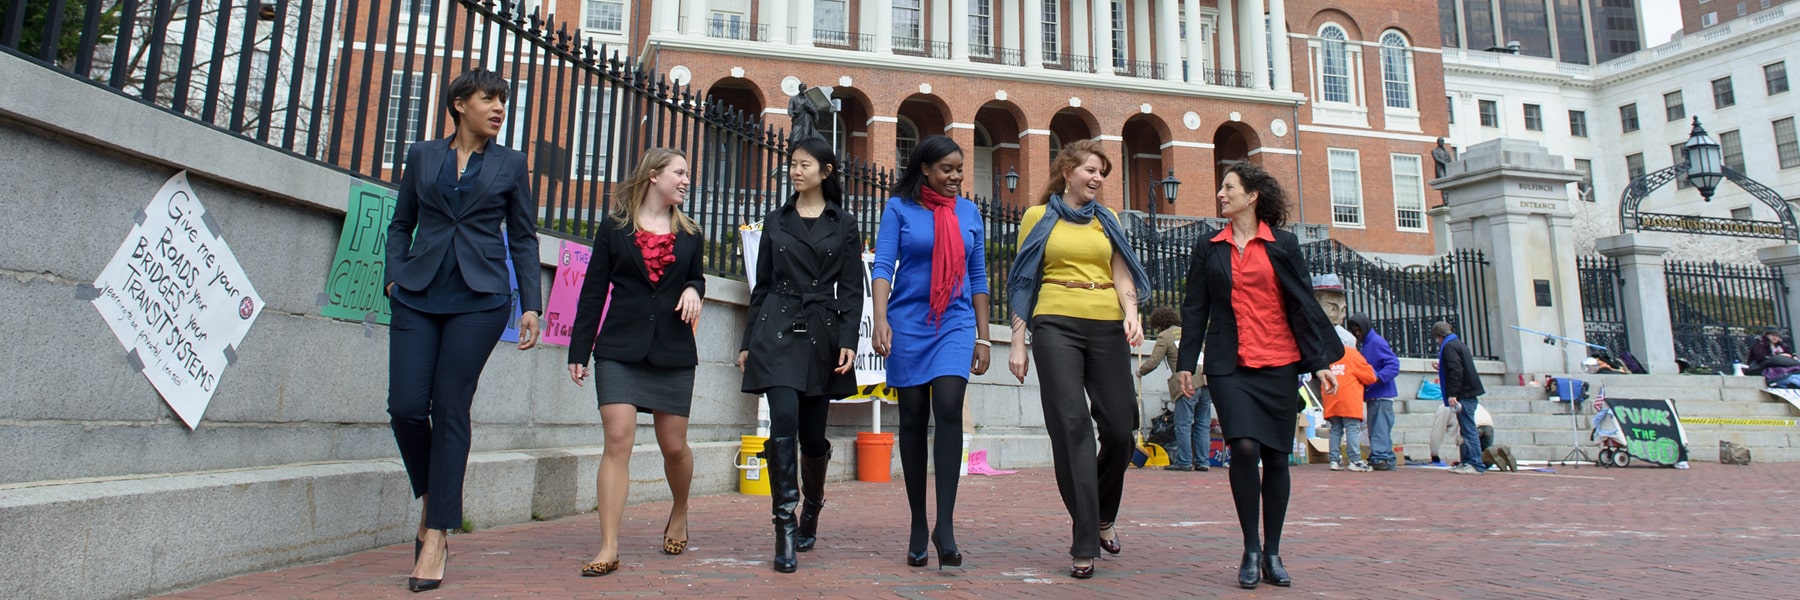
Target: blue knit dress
x=923, y=352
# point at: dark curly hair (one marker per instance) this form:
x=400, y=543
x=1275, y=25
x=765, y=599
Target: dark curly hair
x=1163, y=318
x=1271, y=201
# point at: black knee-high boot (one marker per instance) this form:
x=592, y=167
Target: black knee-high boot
x=812, y=486
x=784, y=493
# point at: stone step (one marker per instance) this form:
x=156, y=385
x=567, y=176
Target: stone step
x=1694, y=408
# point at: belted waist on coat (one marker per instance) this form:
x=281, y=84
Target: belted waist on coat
x=818, y=310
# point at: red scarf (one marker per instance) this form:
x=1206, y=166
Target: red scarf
x=947, y=258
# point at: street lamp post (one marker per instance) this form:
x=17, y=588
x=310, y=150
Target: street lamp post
x=1703, y=165
x=1170, y=186
x=1705, y=161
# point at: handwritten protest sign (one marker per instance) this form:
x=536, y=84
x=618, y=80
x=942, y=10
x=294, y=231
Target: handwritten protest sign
x=1652, y=430
x=353, y=288
x=871, y=368
x=176, y=298
x=565, y=292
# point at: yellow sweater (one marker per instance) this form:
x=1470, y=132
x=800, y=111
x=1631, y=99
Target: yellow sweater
x=1074, y=253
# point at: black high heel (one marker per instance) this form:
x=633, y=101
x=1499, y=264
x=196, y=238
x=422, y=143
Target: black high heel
x=1081, y=572
x=950, y=558
x=1249, y=571
x=917, y=560
x=417, y=585
x=1274, y=572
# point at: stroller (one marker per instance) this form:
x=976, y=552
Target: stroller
x=1609, y=436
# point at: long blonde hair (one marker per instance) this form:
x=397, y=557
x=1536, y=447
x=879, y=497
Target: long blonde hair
x=1073, y=155
x=630, y=195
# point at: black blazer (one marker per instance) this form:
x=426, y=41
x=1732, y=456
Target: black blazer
x=1457, y=370
x=1208, y=321
x=642, y=324
x=811, y=276
x=502, y=194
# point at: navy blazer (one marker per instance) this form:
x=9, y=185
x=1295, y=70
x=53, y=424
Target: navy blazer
x=641, y=325
x=1208, y=320
x=425, y=228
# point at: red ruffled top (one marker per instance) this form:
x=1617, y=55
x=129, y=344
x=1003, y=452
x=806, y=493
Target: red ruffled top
x=659, y=252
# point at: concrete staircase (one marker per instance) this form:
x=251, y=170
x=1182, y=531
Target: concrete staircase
x=1539, y=429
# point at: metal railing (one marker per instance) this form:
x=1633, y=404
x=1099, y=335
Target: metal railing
x=726, y=29
x=1602, y=303
x=1404, y=302
x=1077, y=63
x=997, y=56
x=906, y=46
x=1238, y=79
x=1716, y=310
x=843, y=40
x=1141, y=69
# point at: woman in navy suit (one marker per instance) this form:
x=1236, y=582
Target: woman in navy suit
x=446, y=276
x=647, y=257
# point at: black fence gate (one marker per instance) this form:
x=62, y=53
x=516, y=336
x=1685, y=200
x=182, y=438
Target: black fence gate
x=1404, y=302
x=1715, y=310
x=1602, y=305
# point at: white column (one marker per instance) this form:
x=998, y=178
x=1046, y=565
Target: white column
x=959, y=29
x=1787, y=258
x=1007, y=24
x=1032, y=33
x=1641, y=258
x=1228, y=35
x=1080, y=29
x=882, y=24
x=1103, y=37
x=665, y=18
x=696, y=17
x=1168, y=36
x=1196, y=48
x=936, y=27
x=1255, y=41
x=777, y=20
x=1284, y=61
x=803, y=24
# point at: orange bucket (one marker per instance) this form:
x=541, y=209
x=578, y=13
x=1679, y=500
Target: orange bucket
x=874, y=457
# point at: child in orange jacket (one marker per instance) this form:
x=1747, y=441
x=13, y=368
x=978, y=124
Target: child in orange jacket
x=1344, y=409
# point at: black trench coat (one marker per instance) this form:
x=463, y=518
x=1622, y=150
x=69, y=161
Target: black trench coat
x=810, y=280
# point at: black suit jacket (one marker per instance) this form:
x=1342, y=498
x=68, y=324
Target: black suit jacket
x=642, y=324
x=1208, y=321
x=804, y=275
x=1457, y=371
x=425, y=228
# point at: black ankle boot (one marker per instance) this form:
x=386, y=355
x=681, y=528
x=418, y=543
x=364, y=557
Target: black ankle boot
x=1250, y=570
x=1274, y=572
x=812, y=487
x=784, y=493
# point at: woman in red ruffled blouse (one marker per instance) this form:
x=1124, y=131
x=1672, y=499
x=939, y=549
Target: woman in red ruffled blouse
x=647, y=258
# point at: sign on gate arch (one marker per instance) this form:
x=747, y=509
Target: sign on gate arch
x=1632, y=219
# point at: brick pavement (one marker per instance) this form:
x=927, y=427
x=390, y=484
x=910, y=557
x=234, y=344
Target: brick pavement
x=1642, y=532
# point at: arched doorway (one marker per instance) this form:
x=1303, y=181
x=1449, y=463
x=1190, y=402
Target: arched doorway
x=1232, y=143
x=1144, y=136
x=738, y=94
x=997, y=128
x=927, y=116
x=1071, y=124
x=848, y=129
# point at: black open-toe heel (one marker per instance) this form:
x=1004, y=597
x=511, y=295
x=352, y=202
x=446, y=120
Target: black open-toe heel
x=946, y=558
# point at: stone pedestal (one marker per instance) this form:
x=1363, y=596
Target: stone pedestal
x=1511, y=202
x=1787, y=258
x=1645, y=295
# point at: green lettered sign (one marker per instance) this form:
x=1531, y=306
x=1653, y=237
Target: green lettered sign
x=353, y=288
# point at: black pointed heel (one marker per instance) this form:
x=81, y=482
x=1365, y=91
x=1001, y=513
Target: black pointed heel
x=1249, y=571
x=417, y=585
x=946, y=558
x=917, y=560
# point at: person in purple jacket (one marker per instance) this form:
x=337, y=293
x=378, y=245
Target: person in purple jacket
x=1378, y=397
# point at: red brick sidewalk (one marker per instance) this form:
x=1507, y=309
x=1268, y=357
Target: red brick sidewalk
x=1715, y=530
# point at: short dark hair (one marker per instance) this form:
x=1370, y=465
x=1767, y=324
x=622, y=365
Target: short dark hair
x=1271, y=202
x=1163, y=318
x=1441, y=330
x=927, y=153
x=466, y=85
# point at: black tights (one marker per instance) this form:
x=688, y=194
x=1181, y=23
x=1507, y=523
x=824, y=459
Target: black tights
x=943, y=396
x=1273, y=488
x=792, y=415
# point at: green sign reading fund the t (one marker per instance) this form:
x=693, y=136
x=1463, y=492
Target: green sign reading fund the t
x=353, y=288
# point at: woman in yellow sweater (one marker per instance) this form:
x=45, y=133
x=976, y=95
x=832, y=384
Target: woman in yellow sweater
x=1076, y=286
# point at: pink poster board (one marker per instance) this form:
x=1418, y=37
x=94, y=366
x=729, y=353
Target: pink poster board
x=565, y=291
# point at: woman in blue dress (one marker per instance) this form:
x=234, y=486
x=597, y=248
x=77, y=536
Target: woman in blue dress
x=930, y=293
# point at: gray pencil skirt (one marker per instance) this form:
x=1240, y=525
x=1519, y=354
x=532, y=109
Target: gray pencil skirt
x=649, y=388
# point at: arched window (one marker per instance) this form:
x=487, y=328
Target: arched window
x=1055, y=146
x=1335, y=84
x=906, y=137
x=1396, y=71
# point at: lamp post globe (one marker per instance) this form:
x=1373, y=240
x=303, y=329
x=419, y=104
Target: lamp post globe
x=1705, y=161
x=1012, y=179
x=1170, y=187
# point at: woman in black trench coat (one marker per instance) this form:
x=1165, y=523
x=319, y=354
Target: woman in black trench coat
x=800, y=338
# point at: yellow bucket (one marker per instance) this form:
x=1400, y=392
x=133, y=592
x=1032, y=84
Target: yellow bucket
x=753, y=477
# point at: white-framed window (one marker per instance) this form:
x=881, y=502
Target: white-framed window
x=1674, y=109
x=1490, y=112
x=1118, y=35
x=1723, y=96
x=604, y=15
x=1742, y=213
x=1731, y=149
x=1334, y=66
x=1634, y=166
x=1775, y=80
x=728, y=25
x=981, y=27
x=906, y=137
x=1409, y=192
x=831, y=21
x=593, y=129
x=1578, y=123
x=1585, y=187
x=1051, y=30
x=1534, y=117
x=408, y=93
x=909, y=20
x=1346, y=187
x=1709, y=19
x=1396, y=71
x=1787, y=148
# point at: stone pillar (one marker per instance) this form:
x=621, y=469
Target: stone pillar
x=665, y=18
x=1197, y=52
x=1255, y=40
x=1032, y=40
x=803, y=24
x=696, y=17
x=1787, y=258
x=959, y=30
x=1168, y=38
x=1103, y=37
x=778, y=20
x=1513, y=206
x=1227, y=35
x=881, y=23
x=1284, y=63
x=1645, y=295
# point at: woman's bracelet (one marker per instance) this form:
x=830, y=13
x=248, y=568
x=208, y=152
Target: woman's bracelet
x=985, y=343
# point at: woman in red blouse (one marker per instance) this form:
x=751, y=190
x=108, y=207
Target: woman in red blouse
x=647, y=257
x=1249, y=307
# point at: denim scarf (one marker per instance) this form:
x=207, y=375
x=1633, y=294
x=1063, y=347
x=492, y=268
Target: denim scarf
x=1028, y=267
x=1446, y=342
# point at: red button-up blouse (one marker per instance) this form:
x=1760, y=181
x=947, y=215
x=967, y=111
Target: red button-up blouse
x=1264, y=337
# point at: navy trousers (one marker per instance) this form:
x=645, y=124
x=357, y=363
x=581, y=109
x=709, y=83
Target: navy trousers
x=434, y=361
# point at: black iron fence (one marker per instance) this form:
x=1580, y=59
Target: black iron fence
x=996, y=56
x=1404, y=302
x=1141, y=69
x=1062, y=61
x=1602, y=303
x=843, y=40
x=1240, y=79
x=1716, y=310
x=910, y=46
